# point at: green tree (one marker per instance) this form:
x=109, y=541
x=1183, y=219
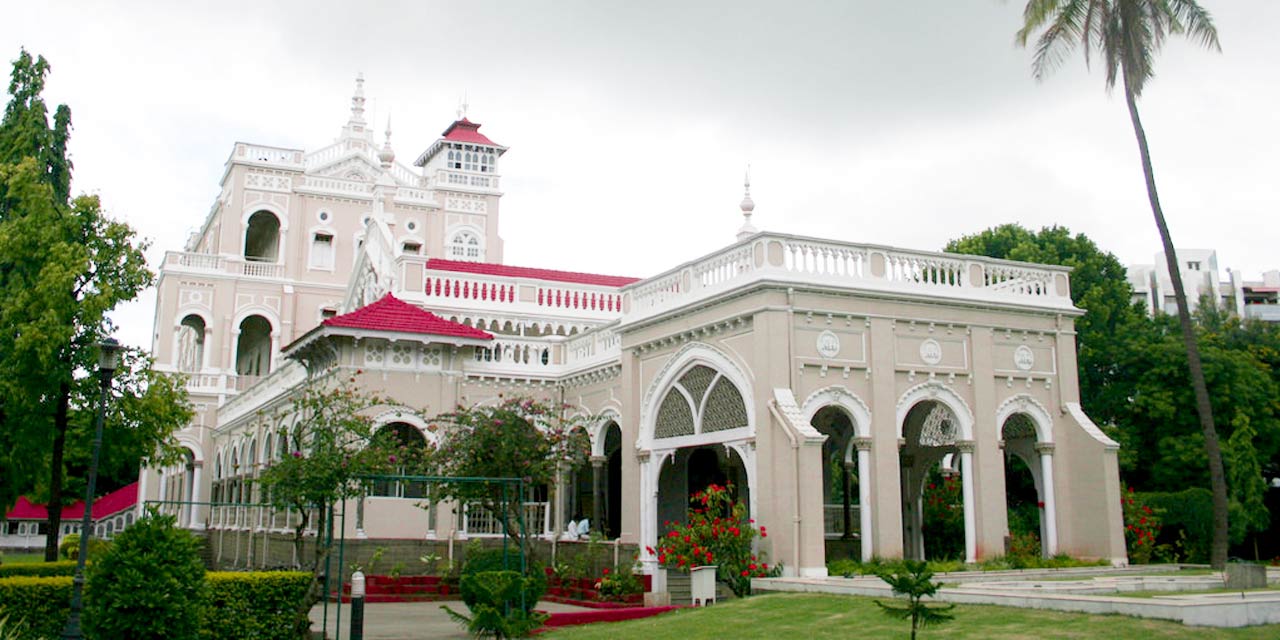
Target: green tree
x=1099, y=285
x=914, y=580
x=64, y=265
x=518, y=438
x=332, y=445
x=1127, y=34
x=1248, y=487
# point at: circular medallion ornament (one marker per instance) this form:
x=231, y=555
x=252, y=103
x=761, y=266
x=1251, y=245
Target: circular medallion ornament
x=931, y=351
x=1024, y=358
x=828, y=344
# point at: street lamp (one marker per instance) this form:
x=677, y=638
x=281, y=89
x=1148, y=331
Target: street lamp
x=108, y=358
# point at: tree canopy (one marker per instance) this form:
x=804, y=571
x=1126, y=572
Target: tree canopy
x=64, y=265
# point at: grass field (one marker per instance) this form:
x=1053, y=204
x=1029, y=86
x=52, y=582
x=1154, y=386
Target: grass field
x=818, y=617
x=15, y=558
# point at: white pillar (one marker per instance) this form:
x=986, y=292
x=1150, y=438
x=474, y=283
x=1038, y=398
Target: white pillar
x=1050, y=515
x=864, y=497
x=195, y=498
x=970, y=522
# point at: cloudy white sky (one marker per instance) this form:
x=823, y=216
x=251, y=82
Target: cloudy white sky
x=630, y=123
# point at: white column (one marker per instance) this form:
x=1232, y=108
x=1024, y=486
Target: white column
x=864, y=497
x=970, y=522
x=195, y=522
x=1050, y=515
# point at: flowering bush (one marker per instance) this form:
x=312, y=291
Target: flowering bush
x=944, y=516
x=618, y=584
x=718, y=533
x=1141, y=528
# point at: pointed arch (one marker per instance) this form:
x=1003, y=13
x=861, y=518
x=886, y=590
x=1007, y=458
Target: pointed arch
x=839, y=396
x=1025, y=404
x=942, y=394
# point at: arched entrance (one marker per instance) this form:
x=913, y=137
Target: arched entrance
x=191, y=333
x=839, y=481
x=696, y=428
x=1026, y=435
x=936, y=462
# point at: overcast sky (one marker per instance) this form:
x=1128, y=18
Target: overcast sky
x=630, y=123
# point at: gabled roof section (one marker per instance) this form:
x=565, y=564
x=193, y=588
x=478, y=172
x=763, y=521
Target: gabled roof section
x=465, y=130
x=394, y=315
x=125, y=497
x=489, y=269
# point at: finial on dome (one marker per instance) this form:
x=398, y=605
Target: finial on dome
x=386, y=156
x=748, y=206
x=462, y=107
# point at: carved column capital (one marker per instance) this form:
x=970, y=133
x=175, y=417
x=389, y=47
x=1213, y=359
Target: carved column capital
x=862, y=444
x=1045, y=448
x=965, y=446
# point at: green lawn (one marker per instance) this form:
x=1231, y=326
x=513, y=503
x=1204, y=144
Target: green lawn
x=17, y=558
x=816, y=617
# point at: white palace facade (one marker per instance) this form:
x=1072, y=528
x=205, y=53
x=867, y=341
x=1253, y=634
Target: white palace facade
x=790, y=365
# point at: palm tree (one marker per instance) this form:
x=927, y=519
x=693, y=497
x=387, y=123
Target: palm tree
x=1127, y=34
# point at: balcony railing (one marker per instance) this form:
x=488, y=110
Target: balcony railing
x=833, y=520
x=469, y=181
x=800, y=260
x=478, y=521
x=228, y=265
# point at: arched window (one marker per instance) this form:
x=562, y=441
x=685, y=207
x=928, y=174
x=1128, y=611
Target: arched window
x=702, y=401
x=407, y=443
x=466, y=246
x=190, y=356
x=253, y=350
x=262, y=237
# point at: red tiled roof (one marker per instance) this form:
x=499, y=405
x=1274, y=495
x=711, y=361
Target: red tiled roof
x=465, y=130
x=123, y=498
x=489, y=269
x=392, y=314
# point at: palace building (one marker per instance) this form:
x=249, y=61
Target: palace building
x=827, y=379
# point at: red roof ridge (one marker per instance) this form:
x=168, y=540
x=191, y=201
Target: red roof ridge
x=492, y=269
x=464, y=130
x=390, y=313
x=123, y=498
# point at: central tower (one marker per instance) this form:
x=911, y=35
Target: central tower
x=462, y=167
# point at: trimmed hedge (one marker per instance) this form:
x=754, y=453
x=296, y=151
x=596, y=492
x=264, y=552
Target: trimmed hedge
x=258, y=605
x=262, y=605
x=39, y=569
x=38, y=605
x=1188, y=512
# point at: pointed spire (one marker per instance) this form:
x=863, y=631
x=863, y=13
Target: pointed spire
x=357, y=128
x=748, y=206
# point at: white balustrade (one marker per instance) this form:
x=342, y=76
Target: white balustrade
x=506, y=353
x=336, y=185
x=268, y=155
x=465, y=180
x=410, y=194
x=480, y=522
x=883, y=269
x=833, y=519
x=569, y=297
x=321, y=157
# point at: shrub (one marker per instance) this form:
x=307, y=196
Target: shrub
x=1141, y=528
x=69, y=548
x=480, y=559
x=149, y=585
x=261, y=605
x=718, y=533
x=62, y=568
x=501, y=604
x=38, y=605
x=914, y=580
x=1187, y=523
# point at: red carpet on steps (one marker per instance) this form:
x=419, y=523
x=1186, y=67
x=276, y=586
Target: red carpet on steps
x=571, y=618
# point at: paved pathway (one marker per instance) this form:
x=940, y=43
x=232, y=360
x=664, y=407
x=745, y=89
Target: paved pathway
x=407, y=620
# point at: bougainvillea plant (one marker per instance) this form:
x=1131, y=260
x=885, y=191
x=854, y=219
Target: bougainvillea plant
x=1141, y=528
x=719, y=532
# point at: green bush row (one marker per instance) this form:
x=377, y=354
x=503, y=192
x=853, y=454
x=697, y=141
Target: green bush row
x=262, y=605
x=38, y=569
x=1186, y=519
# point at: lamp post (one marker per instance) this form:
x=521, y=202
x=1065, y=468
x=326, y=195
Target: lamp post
x=108, y=359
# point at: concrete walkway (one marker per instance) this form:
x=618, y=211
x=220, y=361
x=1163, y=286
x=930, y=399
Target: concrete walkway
x=407, y=620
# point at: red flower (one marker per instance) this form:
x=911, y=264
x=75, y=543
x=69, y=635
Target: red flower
x=606, y=572
x=1040, y=504
x=745, y=573
x=649, y=549
x=752, y=566
x=662, y=559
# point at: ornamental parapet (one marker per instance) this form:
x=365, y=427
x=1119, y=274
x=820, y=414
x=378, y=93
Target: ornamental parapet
x=874, y=269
